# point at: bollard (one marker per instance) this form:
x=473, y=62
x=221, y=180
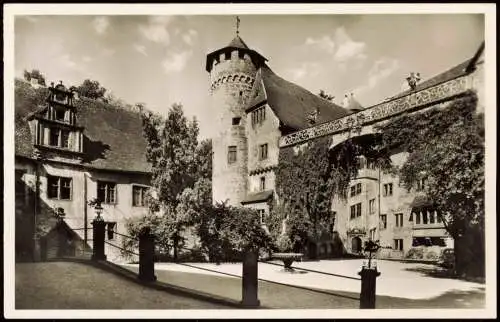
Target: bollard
x=368, y=286
x=146, y=256
x=99, y=232
x=250, y=282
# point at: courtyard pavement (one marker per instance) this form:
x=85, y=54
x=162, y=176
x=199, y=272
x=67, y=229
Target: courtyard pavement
x=67, y=285
x=397, y=279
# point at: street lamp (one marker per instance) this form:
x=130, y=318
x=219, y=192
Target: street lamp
x=98, y=210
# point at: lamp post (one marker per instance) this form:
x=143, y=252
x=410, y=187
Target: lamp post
x=99, y=227
x=98, y=211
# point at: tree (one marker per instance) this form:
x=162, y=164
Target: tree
x=35, y=73
x=447, y=147
x=326, y=96
x=172, y=151
x=91, y=89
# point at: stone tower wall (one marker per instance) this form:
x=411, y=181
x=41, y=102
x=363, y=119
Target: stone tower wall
x=231, y=81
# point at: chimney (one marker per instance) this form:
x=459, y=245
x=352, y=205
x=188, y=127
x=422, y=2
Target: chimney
x=345, y=101
x=413, y=80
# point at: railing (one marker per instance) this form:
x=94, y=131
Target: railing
x=249, y=274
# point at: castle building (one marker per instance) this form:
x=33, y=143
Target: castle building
x=67, y=152
x=255, y=107
x=259, y=112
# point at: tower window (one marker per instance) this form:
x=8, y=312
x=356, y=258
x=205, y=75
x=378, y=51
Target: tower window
x=241, y=93
x=263, y=183
x=236, y=120
x=263, y=152
x=231, y=154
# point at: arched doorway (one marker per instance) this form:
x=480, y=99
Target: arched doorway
x=356, y=245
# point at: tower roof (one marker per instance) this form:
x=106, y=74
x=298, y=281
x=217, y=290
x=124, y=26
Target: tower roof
x=237, y=42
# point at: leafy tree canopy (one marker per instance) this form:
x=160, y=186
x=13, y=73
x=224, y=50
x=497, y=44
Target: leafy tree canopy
x=91, y=89
x=35, y=73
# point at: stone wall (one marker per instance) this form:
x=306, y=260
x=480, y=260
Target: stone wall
x=265, y=133
x=231, y=81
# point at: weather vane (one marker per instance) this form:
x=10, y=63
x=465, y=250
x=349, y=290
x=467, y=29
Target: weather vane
x=237, y=25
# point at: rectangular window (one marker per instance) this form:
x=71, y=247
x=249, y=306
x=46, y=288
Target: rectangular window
x=54, y=137
x=262, y=183
x=258, y=116
x=371, y=206
x=231, y=154
x=398, y=244
x=59, y=188
x=387, y=189
x=372, y=233
x=65, y=139
x=421, y=184
x=263, y=152
x=261, y=215
x=59, y=114
x=106, y=191
x=139, y=196
x=399, y=220
x=383, y=221
x=356, y=190
x=356, y=210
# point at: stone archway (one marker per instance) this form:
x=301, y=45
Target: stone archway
x=356, y=245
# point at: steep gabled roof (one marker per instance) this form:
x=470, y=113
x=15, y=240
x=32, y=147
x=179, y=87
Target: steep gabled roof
x=113, y=137
x=290, y=102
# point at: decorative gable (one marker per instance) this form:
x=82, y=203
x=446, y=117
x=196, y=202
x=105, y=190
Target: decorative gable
x=54, y=128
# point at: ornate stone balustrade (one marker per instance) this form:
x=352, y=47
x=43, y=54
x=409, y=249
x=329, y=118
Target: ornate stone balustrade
x=413, y=101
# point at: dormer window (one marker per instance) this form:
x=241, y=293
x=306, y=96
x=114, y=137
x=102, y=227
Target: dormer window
x=59, y=114
x=59, y=138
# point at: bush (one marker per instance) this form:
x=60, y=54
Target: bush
x=415, y=253
x=431, y=255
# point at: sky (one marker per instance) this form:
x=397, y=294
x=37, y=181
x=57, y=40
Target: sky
x=160, y=60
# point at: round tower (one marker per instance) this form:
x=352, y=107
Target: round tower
x=232, y=72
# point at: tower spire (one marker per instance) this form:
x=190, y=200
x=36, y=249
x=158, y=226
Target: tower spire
x=237, y=25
